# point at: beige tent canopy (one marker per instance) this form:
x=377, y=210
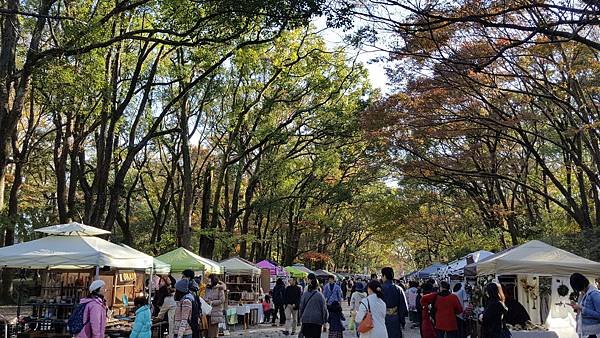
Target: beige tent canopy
x=535, y=257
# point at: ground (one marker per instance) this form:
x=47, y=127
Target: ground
x=274, y=332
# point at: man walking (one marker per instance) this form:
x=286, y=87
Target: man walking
x=332, y=291
x=395, y=302
x=291, y=300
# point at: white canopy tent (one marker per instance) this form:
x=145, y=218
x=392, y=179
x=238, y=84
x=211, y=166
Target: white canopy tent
x=239, y=266
x=160, y=267
x=535, y=257
x=66, y=252
x=72, y=229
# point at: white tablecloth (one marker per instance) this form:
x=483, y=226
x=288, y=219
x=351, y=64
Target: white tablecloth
x=534, y=334
x=245, y=309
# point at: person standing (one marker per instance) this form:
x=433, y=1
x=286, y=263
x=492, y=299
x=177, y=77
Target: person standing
x=168, y=309
x=374, y=304
x=395, y=300
x=461, y=294
x=94, y=315
x=358, y=295
x=142, y=326
x=279, y=302
x=183, y=309
x=215, y=297
x=291, y=300
x=332, y=291
x=426, y=327
x=411, y=299
x=313, y=311
x=447, y=307
x=267, y=308
x=492, y=323
x=588, y=307
x=344, y=288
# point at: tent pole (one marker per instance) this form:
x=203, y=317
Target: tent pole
x=97, y=271
x=151, y=283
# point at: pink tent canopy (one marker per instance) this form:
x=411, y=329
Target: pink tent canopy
x=275, y=269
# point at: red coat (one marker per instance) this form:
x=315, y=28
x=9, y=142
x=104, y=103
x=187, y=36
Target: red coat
x=427, y=330
x=447, y=306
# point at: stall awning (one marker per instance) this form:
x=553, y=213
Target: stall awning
x=534, y=257
x=430, y=271
x=239, y=266
x=296, y=273
x=65, y=252
x=301, y=267
x=323, y=273
x=273, y=268
x=72, y=229
x=182, y=259
x=160, y=267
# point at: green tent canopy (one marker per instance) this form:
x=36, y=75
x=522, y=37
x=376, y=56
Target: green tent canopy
x=296, y=273
x=181, y=259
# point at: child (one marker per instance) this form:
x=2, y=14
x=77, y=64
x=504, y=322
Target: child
x=336, y=328
x=266, y=305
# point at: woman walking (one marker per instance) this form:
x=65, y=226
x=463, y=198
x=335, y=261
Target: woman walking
x=215, y=297
x=313, y=311
x=376, y=306
x=492, y=324
x=94, y=315
x=336, y=328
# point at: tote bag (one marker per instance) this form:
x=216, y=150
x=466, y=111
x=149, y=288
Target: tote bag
x=366, y=324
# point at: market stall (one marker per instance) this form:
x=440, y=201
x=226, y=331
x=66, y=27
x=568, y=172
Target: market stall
x=455, y=270
x=242, y=279
x=181, y=259
x=431, y=271
x=67, y=261
x=323, y=275
x=295, y=272
x=301, y=267
x=540, y=275
x=275, y=271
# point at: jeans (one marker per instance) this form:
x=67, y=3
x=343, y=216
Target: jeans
x=290, y=315
x=184, y=336
x=447, y=334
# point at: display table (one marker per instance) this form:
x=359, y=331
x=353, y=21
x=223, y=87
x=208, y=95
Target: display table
x=534, y=334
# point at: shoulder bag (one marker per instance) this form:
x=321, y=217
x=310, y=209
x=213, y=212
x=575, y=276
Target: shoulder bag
x=366, y=324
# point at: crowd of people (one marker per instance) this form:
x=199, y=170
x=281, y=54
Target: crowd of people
x=379, y=308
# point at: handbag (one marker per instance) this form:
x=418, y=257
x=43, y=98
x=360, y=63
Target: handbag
x=366, y=324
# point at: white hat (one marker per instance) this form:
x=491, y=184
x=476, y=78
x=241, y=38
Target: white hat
x=97, y=284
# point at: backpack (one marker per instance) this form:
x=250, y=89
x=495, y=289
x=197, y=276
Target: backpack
x=75, y=323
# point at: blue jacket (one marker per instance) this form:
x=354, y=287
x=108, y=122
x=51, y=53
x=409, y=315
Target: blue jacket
x=142, y=327
x=332, y=295
x=590, y=315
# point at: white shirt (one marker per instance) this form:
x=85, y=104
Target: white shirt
x=378, y=309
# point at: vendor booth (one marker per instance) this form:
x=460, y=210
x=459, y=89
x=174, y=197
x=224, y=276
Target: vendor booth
x=323, y=275
x=242, y=279
x=303, y=268
x=455, y=270
x=431, y=271
x=295, y=272
x=67, y=261
x=182, y=259
x=537, y=274
x=275, y=272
